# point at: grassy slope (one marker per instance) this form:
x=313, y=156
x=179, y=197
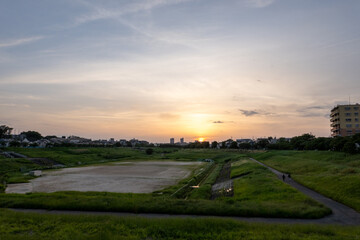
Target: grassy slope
x=259, y=187
x=333, y=174
x=42, y=226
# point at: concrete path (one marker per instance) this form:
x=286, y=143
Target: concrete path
x=342, y=215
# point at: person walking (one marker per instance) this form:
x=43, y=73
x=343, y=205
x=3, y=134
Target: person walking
x=283, y=176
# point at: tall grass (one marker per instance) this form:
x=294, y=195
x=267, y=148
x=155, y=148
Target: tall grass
x=334, y=174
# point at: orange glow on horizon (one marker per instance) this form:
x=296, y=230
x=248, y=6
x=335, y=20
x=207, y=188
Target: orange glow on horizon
x=201, y=139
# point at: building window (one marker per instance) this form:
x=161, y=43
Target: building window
x=348, y=114
x=356, y=114
x=356, y=108
x=348, y=119
x=356, y=119
x=356, y=125
x=348, y=125
x=347, y=108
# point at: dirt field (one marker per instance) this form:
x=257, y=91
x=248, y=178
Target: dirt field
x=124, y=177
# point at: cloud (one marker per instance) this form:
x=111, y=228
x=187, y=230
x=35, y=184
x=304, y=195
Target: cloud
x=314, y=111
x=339, y=43
x=259, y=3
x=100, y=12
x=21, y=41
x=218, y=122
x=248, y=113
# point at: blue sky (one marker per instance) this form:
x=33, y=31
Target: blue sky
x=157, y=69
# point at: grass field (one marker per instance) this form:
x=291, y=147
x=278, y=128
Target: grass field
x=183, y=202
x=259, y=187
x=334, y=174
x=43, y=226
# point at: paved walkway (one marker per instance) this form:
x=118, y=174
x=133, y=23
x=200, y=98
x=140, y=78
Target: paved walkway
x=342, y=214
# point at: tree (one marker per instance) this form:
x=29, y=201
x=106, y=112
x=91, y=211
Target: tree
x=337, y=143
x=5, y=131
x=244, y=145
x=32, y=135
x=214, y=144
x=50, y=136
x=233, y=145
x=349, y=147
x=299, y=142
x=262, y=143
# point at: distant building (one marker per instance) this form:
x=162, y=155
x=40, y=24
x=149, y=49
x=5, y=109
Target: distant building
x=181, y=140
x=172, y=141
x=345, y=120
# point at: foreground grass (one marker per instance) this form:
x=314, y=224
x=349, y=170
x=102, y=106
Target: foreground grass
x=333, y=174
x=43, y=226
x=258, y=186
x=147, y=203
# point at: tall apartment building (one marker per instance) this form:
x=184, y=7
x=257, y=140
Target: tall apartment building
x=172, y=141
x=345, y=120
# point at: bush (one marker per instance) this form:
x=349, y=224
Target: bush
x=149, y=151
x=349, y=147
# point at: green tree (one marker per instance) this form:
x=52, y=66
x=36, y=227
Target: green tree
x=349, y=147
x=299, y=142
x=233, y=145
x=244, y=145
x=32, y=135
x=5, y=131
x=214, y=144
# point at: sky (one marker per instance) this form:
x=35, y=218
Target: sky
x=156, y=69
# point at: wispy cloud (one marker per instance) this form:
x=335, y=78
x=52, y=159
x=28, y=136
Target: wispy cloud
x=21, y=41
x=339, y=43
x=99, y=12
x=259, y=3
x=314, y=111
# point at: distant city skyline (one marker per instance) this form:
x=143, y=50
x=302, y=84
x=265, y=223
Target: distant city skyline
x=157, y=69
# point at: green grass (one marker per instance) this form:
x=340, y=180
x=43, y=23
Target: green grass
x=44, y=226
x=161, y=202
x=258, y=186
x=334, y=174
x=150, y=203
x=204, y=190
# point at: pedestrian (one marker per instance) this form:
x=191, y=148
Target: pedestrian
x=283, y=177
x=289, y=176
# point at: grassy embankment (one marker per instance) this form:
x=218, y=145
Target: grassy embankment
x=333, y=174
x=44, y=226
x=160, y=202
x=256, y=185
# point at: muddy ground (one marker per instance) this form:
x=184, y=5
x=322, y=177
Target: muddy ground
x=124, y=177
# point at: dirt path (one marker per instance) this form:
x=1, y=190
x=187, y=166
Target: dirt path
x=341, y=214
